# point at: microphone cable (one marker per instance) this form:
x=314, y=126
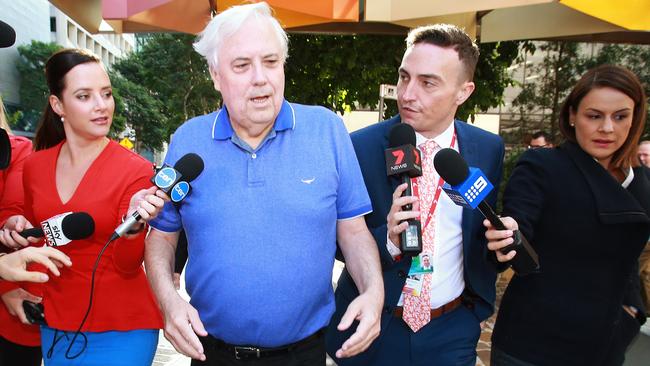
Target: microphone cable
x=78, y=332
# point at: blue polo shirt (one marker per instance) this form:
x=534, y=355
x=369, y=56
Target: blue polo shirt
x=261, y=223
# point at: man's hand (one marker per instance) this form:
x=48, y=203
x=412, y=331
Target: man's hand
x=498, y=239
x=13, y=266
x=182, y=324
x=13, y=301
x=366, y=308
x=631, y=310
x=397, y=216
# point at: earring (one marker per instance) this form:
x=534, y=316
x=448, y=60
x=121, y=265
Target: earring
x=573, y=124
x=62, y=119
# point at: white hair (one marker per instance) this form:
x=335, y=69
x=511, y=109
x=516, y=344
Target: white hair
x=229, y=22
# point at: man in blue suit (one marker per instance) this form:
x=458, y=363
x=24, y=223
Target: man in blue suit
x=435, y=78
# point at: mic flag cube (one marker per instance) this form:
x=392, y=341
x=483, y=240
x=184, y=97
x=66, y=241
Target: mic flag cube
x=53, y=231
x=179, y=191
x=403, y=159
x=166, y=178
x=471, y=191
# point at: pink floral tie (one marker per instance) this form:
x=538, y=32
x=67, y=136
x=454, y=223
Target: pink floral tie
x=417, y=309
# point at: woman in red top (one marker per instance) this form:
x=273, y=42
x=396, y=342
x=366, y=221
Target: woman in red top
x=76, y=168
x=19, y=343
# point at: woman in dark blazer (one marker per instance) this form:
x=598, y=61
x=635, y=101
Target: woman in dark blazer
x=584, y=208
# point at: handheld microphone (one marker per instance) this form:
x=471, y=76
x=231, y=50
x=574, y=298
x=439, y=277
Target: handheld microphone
x=173, y=181
x=468, y=187
x=62, y=229
x=403, y=159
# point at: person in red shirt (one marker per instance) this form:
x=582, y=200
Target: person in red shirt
x=77, y=168
x=19, y=343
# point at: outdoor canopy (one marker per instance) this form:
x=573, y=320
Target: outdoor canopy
x=487, y=20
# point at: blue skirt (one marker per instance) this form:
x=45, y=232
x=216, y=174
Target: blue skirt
x=115, y=348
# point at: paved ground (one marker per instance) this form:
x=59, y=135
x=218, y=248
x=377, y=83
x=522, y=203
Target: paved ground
x=638, y=355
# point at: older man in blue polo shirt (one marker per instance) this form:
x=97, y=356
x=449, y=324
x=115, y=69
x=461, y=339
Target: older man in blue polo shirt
x=281, y=187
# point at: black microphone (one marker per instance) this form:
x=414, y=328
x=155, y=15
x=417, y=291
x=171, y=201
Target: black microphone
x=173, y=181
x=469, y=187
x=5, y=149
x=62, y=229
x=403, y=159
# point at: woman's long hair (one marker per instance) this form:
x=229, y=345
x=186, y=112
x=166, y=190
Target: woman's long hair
x=50, y=127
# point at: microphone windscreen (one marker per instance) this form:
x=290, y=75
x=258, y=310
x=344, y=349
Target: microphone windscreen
x=401, y=134
x=190, y=166
x=78, y=225
x=7, y=35
x=451, y=166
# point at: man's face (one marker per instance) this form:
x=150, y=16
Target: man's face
x=250, y=74
x=425, y=261
x=644, y=154
x=538, y=142
x=431, y=86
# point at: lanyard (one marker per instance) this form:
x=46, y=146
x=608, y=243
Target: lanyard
x=436, y=196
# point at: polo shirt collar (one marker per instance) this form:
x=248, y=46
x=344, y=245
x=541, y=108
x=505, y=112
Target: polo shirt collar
x=222, y=129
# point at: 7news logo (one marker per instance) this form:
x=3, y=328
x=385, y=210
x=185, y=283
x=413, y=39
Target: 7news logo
x=402, y=159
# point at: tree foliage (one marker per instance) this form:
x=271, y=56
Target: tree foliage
x=341, y=72
x=134, y=104
x=169, y=71
x=491, y=78
x=33, y=88
x=540, y=99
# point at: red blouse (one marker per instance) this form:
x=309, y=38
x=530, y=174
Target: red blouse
x=122, y=298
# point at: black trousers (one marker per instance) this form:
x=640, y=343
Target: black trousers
x=308, y=353
x=12, y=354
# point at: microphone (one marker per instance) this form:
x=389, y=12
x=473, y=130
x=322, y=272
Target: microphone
x=173, y=181
x=403, y=160
x=468, y=187
x=5, y=149
x=62, y=229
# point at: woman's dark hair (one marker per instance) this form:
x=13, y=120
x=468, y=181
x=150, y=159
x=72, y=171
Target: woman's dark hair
x=50, y=128
x=623, y=80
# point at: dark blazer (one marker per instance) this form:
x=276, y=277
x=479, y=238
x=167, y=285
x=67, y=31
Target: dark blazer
x=480, y=149
x=588, y=231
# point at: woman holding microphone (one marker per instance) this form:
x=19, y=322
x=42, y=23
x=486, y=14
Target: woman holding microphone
x=584, y=208
x=77, y=168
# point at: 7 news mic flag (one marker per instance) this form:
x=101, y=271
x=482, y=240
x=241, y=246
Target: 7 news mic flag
x=468, y=187
x=403, y=159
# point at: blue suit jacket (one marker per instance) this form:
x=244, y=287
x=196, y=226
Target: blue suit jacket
x=480, y=149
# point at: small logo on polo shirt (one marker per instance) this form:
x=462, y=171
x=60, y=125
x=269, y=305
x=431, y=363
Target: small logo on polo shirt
x=308, y=181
